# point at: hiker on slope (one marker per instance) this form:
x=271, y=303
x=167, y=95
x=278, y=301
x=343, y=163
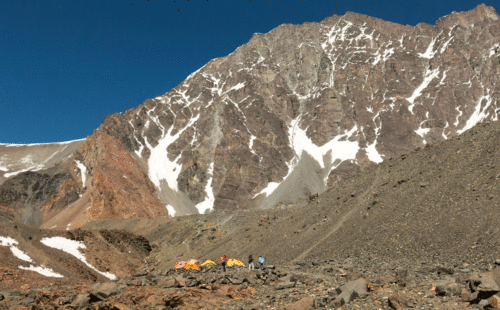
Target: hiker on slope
x=261, y=262
x=223, y=261
x=250, y=263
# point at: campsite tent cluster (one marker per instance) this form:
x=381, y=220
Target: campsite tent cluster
x=194, y=264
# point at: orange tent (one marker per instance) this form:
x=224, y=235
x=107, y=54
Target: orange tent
x=192, y=261
x=192, y=266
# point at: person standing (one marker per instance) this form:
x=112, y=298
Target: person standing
x=261, y=262
x=250, y=263
x=223, y=261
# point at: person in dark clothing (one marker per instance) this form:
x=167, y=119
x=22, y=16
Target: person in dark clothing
x=223, y=261
x=250, y=263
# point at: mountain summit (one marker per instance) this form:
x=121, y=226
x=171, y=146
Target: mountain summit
x=290, y=113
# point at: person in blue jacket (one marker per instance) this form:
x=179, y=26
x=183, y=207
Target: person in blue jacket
x=261, y=262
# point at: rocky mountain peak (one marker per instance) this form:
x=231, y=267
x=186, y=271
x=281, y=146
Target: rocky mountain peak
x=295, y=104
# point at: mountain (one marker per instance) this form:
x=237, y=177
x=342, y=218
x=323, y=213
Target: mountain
x=289, y=114
x=436, y=204
x=420, y=229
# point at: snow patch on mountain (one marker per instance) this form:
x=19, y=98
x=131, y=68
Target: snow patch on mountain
x=208, y=203
x=73, y=247
x=342, y=150
x=43, y=271
x=171, y=210
x=339, y=147
x=373, y=154
x=83, y=171
x=428, y=77
x=7, y=241
x=479, y=113
x=160, y=167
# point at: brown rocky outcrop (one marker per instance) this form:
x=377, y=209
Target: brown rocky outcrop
x=120, y=188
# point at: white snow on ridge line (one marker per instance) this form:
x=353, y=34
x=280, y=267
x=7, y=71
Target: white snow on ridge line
x=160, y=167
x=208, y=203
x=72, y=247
x=83, y=171
x=33, y=168
x=43, y=271
x=194, y=73
x=3, y=168
x=33, y=144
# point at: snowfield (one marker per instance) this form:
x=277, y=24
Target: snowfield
x=7, y=241
x=73, y=247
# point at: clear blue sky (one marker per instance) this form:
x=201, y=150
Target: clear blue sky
x=65, y=65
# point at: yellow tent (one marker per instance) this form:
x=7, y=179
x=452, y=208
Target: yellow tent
x=208, y=262
x=232, y=262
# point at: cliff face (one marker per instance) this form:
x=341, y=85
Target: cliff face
x=297, y=109
x=291, y=112
x=119, y=187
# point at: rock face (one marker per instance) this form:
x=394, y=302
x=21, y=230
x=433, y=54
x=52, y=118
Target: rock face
x=299, y=108
x=293, y=112
x=28, y=191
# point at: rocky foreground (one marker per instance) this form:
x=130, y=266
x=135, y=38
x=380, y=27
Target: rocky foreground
x=329, y=284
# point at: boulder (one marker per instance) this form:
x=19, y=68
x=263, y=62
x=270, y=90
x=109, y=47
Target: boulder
x=447, y=288
x=168, y=283
x=495, y=301
x=281, y=286
x=181, y=280
x=81, y=301
x=236, y=281
x=398, y=302
x=107, y=289
x=305, y=303
x=468, y=296
x=488, y=283
x=64, y=302
x=351, y=290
